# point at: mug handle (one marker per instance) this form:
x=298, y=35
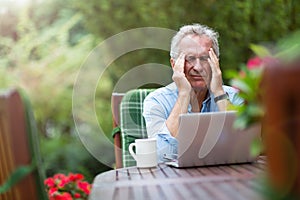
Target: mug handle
x=130, y=148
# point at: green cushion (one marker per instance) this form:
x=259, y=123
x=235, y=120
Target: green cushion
x=132, y=121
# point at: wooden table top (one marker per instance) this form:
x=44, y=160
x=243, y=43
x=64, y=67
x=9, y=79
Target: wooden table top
x=230, y=182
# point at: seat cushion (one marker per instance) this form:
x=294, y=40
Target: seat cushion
x=132, y=121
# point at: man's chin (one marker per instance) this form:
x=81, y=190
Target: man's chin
x=199, y=86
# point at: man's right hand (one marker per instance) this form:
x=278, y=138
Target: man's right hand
x=183, y=85
x=183, y=100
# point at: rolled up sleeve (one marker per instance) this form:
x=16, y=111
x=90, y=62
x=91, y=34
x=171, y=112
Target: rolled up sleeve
x=155, y=118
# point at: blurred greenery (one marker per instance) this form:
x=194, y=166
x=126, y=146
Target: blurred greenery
x=44, y=43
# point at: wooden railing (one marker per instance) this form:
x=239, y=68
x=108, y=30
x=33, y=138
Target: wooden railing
x=16, y=148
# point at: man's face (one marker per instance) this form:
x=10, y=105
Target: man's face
x=196, y=67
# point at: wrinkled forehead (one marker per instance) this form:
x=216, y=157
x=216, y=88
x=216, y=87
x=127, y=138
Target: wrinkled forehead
x=195, y=44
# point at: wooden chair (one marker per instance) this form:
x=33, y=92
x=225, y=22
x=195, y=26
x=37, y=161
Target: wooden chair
x=128, y=123
x=19, y=147
x=116, y=132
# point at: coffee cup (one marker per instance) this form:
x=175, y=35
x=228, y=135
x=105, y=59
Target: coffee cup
x=145, y=152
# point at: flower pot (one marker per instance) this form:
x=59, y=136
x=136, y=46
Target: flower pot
x=281, y=99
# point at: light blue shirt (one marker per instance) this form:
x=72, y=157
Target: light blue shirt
x=157, y=108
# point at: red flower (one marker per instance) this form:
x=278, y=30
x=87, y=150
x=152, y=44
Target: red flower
x=59, y=176
x=63, y=182
x=52, y=191
x=258, y=62
x=49, y=182
x=254, y=63
x=62, y=187
x=75, y=177
x=84, y=186
x=77, y=195
x=63, y=196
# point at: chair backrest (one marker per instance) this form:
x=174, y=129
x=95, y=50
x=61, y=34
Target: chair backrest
x=132, y=122
x=19, y=146
x=116, y=99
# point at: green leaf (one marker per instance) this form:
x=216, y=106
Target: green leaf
x=289, y=47
x=256, y=147
x=15, y=177
x=259, y=50
x=229, y=74
x=241, y=122
x=241, y=85
x=255, y=110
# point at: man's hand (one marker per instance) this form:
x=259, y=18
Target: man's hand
x=183, y=85
x=183, y=100
x=216, y=79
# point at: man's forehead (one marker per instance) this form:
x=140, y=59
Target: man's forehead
x=195, y=44
x=193, y=38
x=194, y=41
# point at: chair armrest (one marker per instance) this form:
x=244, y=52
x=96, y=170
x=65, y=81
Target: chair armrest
x=116, y=134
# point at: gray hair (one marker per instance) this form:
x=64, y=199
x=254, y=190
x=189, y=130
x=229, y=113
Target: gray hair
x=194, y=29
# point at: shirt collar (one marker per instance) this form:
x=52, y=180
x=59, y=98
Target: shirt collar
x=206, y=104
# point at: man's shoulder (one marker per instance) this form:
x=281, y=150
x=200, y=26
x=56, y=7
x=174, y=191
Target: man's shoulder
x=165, y=91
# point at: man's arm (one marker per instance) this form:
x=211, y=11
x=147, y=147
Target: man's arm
x=155, y=117
x=217, y=81
x=184, y=90
x=181, y=106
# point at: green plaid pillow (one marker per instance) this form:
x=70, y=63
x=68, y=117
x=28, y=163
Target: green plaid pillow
x=132, y=121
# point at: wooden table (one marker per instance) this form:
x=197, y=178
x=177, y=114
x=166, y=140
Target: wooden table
x=164, y=182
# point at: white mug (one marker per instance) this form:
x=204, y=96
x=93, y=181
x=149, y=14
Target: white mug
x=146, y=154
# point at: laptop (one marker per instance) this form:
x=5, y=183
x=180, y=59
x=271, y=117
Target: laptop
x=211, y=139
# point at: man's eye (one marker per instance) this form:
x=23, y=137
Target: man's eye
x=204, y=58
x=191, y=58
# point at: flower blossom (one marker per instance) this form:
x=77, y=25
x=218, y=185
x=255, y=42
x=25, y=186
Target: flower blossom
x=84, y=186
x=49, y=182
x=75, y=177
x=63, y=196
x=62, y=187
x=254, y=63
x=258, y=62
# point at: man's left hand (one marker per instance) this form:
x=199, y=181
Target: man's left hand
x=216, y=79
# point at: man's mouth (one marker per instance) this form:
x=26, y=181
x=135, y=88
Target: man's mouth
x=197, y=77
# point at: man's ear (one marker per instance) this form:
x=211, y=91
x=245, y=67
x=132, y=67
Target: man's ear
x=172, y=61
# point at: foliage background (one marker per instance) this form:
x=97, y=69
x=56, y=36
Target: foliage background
x=44, y=42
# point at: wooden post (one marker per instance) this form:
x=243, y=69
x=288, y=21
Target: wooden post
x=281, y=98
x=14, y=146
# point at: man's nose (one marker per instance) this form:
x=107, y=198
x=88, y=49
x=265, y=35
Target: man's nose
x=197, y=65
